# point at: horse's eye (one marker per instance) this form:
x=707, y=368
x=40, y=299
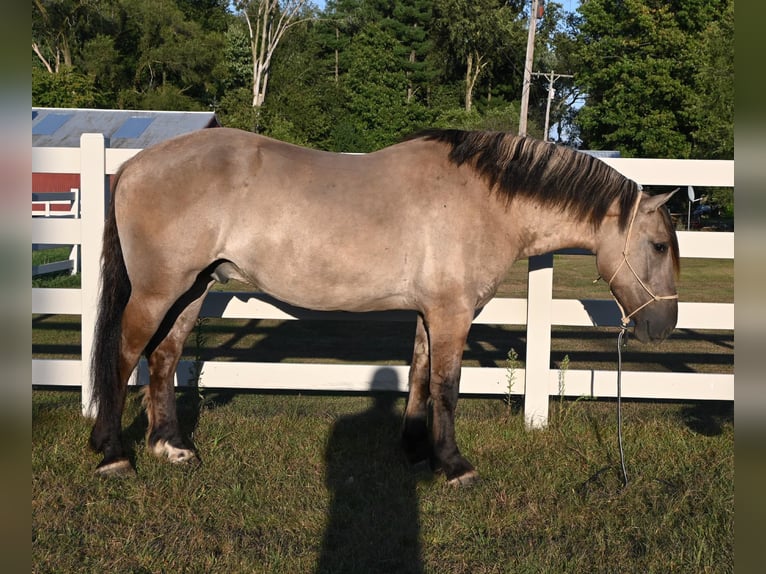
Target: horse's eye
x=661, y=247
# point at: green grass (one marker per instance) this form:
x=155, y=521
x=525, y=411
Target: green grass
x=61, y=279
x=50, y=255
x=317, y=484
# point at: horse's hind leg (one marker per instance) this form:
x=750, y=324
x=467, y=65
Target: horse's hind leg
x=415, y=439
x=163, y=435
x=139, y=321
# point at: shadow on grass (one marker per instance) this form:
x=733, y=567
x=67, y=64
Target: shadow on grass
x=708, y=418
x=373, y=523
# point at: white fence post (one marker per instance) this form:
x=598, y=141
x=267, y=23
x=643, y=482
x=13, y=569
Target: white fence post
x=93, y=189
x=539, y=303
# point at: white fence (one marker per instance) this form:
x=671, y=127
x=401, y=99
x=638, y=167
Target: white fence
x=45, y=204
x=537, y=382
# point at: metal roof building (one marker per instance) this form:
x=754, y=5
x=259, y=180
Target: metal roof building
x=137, y=129
x=133, y=129
x=600, y=153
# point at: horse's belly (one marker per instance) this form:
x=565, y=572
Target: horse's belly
x=311, y=285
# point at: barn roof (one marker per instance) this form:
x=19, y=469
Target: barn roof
x=62, y=127
x=601, y=153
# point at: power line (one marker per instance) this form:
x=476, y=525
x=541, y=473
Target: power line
x=551, y=77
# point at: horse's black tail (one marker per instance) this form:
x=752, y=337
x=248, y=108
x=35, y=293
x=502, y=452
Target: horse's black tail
x=113, y=298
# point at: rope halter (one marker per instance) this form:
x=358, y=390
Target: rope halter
x=626, y=318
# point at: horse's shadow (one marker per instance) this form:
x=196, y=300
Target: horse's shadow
x=708, y=418
x=373, y=523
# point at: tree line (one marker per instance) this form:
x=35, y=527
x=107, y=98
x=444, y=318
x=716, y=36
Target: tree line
x=651, y=78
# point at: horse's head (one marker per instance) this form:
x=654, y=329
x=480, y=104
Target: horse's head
x=640, y=263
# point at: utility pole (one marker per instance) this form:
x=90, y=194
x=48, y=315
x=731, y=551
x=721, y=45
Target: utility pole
x=528, y=69
x=551, y=77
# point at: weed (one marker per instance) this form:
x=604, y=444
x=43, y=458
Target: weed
x=197, y=366
x=563, y=367
x=511, y=364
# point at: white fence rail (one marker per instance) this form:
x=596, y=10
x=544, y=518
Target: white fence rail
x=45, y=204
x=537, y=382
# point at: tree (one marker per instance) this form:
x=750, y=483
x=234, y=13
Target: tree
x=267, y=23
x=65, y=89
x=173, y=60
x=131, y=53
x=713, y=101
x=304, y=101
x=53, y=25
x=474, y=33
x=74, y=39
x=640, y=67
x=373, y=92
x=410, y=22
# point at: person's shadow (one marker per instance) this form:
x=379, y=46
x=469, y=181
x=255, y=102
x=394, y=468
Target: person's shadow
x=373, y=521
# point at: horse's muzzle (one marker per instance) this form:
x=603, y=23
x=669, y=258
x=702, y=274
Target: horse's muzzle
x=655, y=322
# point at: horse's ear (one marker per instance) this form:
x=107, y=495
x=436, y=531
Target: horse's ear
x=653, y=202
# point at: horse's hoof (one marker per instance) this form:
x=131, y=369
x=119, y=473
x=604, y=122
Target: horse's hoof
x=465, y=479
x=120, y=467
x=174, y=454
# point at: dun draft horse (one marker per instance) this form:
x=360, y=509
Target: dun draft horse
x=431, y=224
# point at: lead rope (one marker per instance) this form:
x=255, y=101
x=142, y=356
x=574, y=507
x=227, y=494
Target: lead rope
x=623, y=333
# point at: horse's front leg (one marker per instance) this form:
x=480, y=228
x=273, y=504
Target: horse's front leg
x=415, y=437
x=447, y=335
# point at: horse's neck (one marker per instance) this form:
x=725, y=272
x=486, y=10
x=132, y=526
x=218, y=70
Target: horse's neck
x=543, y=230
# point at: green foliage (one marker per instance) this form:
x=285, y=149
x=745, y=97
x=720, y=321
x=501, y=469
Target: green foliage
x=478, y=38
x=722, y=198
x=302, y=102
x=643, y=66
x=235, y=110
x=164, y=97
x=238, y=60
x=65, y=89
x=128, y=53
x=498, y=117
x=374, y=90
x=713, y=104
x=359, y=74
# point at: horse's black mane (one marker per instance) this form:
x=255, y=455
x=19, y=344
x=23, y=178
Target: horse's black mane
x=555, y=175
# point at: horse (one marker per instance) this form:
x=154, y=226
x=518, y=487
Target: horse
x=430, y=224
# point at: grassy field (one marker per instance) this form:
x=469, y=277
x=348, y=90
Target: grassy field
x=312, y=483
x=318, y=484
